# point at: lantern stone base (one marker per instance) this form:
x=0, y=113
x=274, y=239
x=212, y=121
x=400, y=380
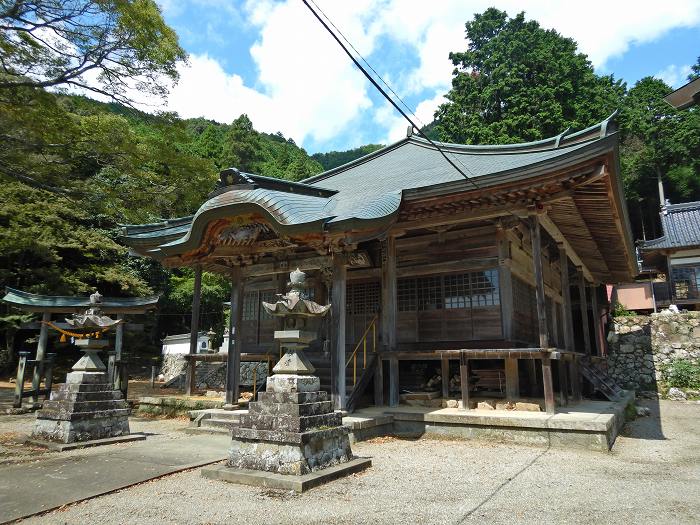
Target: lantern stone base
x=291, y=432
x=85, y=408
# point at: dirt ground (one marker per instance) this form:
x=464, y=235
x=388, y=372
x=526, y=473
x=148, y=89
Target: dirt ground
x=652, y=475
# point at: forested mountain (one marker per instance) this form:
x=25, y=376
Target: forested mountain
x=333, y=159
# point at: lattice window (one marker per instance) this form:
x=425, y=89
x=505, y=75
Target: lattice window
x=429, y=294
x=456, y=289
x=362, y=298
x=250, y=306
x=484, y=288
x=406, y=295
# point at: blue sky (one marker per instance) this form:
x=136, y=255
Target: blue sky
x=272, y=60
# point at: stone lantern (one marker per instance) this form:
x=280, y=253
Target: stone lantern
x=291, y=438
x=86, y=407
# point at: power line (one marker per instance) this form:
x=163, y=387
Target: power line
x=385, y=95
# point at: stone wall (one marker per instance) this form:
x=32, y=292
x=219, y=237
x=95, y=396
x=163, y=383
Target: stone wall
x=209, y=375
x=640, y=345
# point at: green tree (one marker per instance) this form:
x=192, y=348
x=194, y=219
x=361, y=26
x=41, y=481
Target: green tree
x=658, y=143
x=519, y=82
x=105, y=46
x=694, y=70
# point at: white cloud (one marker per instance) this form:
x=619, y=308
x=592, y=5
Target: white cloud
x=388, y=118
x=675, y=76
x=308, y=89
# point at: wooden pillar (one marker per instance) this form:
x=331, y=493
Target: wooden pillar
x=119, y=338
x=583, y=304
x=40, y=355
x=539, y=280
x=505, y=280
x=547, y=384
x=512, y=379
x=393, y=382
x=567, y=319
x=445, y=373
x=388, y=306
x=597, y=327
x=573, y=373
x=387, y=322
x=194, y=331
x=541, y=312
x=464, y=380
x=669, y=280
x=233, y=359
x=338, y=299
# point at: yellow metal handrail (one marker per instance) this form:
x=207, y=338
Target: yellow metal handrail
x=363, y=341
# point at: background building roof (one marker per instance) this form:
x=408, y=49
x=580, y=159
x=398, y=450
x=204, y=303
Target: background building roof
x=681, y=227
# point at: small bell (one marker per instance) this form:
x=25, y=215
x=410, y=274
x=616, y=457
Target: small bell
x=63, y=338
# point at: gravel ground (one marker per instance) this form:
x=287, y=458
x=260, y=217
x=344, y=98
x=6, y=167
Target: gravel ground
x=652, y=476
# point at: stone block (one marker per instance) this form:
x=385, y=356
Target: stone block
x=292, y=383
x=486, y=405
x=528, y=407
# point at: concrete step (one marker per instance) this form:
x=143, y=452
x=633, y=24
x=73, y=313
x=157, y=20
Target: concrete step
x=220, y=423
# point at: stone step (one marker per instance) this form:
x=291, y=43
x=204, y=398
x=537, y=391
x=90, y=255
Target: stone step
x=220, y=423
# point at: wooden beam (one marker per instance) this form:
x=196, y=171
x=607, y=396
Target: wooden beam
x=583, y=306
x=464, y=381
x=567, y=320
x=233, y=358
x=539, y=280
x=40, y=355
x=558, y=236
x=338, y=299
x=393, y=382
x=512, y=380
x=547, y=385
x=191, y=385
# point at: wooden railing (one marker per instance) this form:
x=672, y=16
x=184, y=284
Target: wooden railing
x=363, y=343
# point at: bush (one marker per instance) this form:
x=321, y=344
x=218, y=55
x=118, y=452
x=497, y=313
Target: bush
x=682, y=373
x=619, y=310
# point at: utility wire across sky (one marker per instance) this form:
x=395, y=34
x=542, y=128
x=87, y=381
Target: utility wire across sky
x=380, y=89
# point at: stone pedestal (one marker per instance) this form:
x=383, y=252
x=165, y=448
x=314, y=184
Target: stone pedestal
x=86, y=407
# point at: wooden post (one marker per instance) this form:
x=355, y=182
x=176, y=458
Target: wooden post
x=541, y=312
x=583, y=304
x=191, y=385
x=378, y=381
x=547, y=384
x=393, y=382
x=338, y=299
x=512, y=379
x=445, y=373
x=464, y=380
x=567, y=320
x=388, y=307
x=597, y=327
x=19, y=384
x=233, y=358
x=573, y=373
x=40, y=354
x=119, y=337
x=539, y=280
x=505, y=279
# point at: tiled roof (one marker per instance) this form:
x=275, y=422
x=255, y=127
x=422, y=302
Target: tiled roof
x=370, y=189
x=36, y=302
x=681, y=227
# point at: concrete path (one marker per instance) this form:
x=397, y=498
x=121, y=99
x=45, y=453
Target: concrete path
x=30, y=488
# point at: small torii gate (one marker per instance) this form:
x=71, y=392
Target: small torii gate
x=51, y=305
